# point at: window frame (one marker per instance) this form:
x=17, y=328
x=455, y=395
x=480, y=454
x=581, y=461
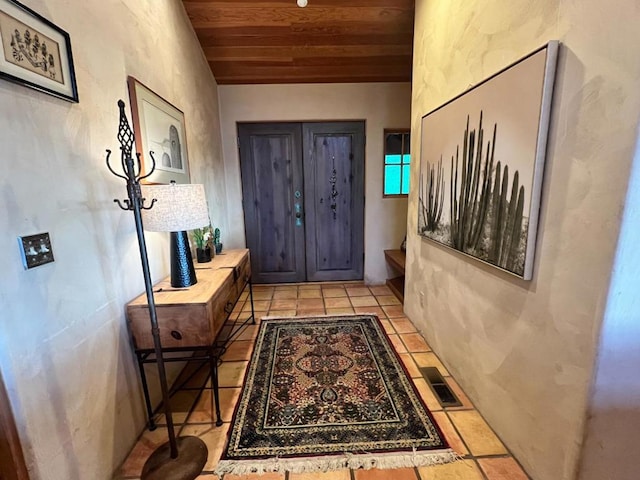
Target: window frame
x=403, y=132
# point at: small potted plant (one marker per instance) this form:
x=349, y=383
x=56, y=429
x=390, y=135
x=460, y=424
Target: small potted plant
x=216, y=240
x=203, y=239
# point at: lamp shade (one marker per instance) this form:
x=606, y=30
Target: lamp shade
x=178, y=207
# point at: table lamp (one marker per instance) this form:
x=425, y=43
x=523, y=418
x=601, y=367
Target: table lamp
x=178, y=207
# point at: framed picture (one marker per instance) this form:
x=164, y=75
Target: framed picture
x=35, y=52
x=481, y=167
x=159, y=130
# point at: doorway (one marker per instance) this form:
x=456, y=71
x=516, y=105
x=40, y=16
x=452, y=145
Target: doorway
x=303, y=196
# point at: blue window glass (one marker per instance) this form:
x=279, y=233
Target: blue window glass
x=406, y=171
x=392, y=179
x=397, y=160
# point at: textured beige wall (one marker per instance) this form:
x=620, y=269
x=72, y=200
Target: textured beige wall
x=64, y=348
x=524, y=351
x=382, y=105
x=612, y=442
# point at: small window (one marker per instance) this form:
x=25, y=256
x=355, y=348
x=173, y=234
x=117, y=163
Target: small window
x=397, y=159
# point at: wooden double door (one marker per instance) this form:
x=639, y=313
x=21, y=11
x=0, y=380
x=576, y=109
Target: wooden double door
x=303, y=195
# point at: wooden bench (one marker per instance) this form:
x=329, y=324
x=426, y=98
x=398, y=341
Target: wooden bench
x=396, y=259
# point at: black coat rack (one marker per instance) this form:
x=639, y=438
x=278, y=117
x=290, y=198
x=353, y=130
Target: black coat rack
x=180, y=458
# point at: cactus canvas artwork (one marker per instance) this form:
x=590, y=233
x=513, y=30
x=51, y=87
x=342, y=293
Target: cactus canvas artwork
x=481, y=165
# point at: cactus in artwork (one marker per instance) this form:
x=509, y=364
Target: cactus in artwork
x=468, y=207
x=432, y=196
x=507, y=220
x=516, y=232
x=486, y=216
x=498, y=208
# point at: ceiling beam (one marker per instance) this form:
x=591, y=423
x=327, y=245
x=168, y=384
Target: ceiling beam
x=207, y=15
x=242, y=53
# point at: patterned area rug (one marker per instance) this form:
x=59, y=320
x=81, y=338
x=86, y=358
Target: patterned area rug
x=327, y=393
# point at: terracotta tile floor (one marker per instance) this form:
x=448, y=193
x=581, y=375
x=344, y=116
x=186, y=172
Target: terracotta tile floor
x=485, y=457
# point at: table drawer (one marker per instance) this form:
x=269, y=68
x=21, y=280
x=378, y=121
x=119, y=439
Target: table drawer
x=180, y=326
x=185, y=325
x=223, y=304
x=242, y=275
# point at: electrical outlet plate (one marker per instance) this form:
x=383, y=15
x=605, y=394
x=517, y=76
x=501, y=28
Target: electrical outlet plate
x=36, y=250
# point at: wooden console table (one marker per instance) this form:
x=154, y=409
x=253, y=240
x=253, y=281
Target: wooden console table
x=192, y=319
x=397, y=259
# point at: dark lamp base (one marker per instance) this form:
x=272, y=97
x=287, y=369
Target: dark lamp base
x=188, y=465
x=182, y=272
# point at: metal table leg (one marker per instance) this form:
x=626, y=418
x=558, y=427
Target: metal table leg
x=145, y=389
x=253, y=313
x=213, y=361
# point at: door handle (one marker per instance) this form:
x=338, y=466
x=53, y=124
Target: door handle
x=298, y=214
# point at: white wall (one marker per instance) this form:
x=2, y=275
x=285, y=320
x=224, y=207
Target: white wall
x=525, y=351
x=64, y=349
x=382, y=105
x=612, y=443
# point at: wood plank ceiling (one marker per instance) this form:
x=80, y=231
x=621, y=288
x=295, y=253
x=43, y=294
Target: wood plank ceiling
x=328, y=41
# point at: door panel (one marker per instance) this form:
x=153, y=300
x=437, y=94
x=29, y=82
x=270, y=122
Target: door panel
x=271, y=169
x=334, y=209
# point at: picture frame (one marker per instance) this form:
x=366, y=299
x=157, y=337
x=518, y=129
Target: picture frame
x=35, y=53
x=159, y=129
x=482, y=160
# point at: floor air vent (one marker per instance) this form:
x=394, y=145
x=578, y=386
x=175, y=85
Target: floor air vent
x=438, y=384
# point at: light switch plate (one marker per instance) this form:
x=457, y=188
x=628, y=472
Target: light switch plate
x=36, y=250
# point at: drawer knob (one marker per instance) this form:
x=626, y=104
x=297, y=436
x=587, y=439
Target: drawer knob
x=176, y=334
x=229, y=307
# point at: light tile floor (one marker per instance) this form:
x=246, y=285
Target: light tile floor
x=484, y=455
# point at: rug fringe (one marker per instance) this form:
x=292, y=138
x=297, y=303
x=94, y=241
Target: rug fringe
x=328, y=463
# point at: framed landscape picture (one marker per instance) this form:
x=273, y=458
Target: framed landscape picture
x=481, y=166
x=159, y=131
x=34, y=52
